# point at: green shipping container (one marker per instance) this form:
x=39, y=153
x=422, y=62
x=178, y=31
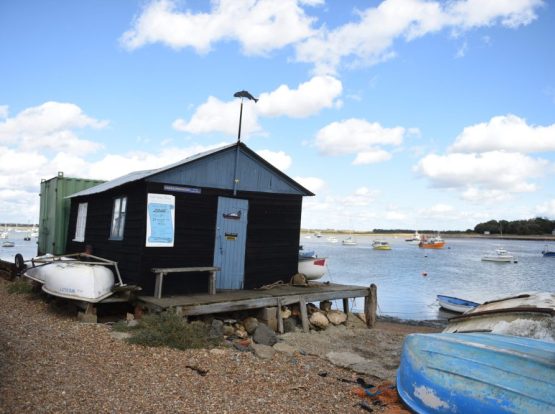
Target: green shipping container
x=54, y=211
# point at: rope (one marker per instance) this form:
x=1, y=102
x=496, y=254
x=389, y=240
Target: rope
x=270, y=286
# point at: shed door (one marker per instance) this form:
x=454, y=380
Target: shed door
x=231, y=237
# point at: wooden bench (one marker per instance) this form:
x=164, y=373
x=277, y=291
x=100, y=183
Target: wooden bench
x=161, y=272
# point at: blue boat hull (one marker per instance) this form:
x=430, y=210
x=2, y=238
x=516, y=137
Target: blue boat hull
x=477, y=373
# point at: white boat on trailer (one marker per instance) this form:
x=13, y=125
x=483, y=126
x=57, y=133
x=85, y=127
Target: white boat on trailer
x=79, y=276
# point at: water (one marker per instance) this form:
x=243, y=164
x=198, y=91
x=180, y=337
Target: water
x=409, y=278
x=403, y=290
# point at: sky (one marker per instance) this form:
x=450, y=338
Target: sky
x=397, y=114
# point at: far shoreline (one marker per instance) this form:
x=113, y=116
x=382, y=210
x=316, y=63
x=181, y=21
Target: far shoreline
x=446, y=235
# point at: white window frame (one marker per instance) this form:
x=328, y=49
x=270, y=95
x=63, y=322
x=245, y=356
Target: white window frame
x=118, y=218
x=81, y=223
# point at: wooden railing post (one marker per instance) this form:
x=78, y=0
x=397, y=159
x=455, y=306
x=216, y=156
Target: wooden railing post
x=371, y=306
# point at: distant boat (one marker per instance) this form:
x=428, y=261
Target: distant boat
x=80, y=277
x=318, y=234
x=455, y=304
x=533, y=308
x=8, y=243
x=477, y=373
x=548, y=253
x=500, y=255
x=310, y=265
x=380, y=245
x=435, y=242
x=332, y=239
x=349, y=241
x=415, y=239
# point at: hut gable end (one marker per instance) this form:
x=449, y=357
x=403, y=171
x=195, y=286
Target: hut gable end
x=218, y=171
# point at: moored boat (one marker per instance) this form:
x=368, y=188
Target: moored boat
x=477, y=373
x=349, y=241
x=415, y=239
x=435, y=242
x=499, y=255
x=80, y=277
x=455, y=304
x=546, y=252
x=380, y=245
x=8, y=243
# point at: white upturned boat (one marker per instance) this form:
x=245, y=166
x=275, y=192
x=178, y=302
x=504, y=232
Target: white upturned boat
x=80, y=277
x=526, y=314
x=310, y=265
x=500, y=255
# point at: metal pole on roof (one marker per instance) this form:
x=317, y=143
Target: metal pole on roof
x=240, y=94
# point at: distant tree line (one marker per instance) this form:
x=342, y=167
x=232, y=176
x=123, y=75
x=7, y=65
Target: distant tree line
x=533, y=226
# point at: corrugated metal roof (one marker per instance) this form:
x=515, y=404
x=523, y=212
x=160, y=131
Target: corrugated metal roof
x=139, y=175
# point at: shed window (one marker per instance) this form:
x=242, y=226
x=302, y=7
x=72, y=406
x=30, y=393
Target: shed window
x=118, y=218
x=81, y=223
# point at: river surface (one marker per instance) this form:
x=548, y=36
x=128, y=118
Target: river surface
x=408, y=277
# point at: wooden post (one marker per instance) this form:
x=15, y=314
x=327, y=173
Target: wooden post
x=158, y=285
x=304, y=315
x=279, y=317
x=371, y=306
x=212, y=283
x=346, y=305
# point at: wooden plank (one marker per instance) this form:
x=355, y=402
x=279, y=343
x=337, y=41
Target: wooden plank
x=371, y=306
x=304, y=316
x=185, y=269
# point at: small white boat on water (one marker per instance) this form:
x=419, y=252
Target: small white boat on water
x=500, y=255
x=310, y=265
x=80, y=277
x=415, y=239
x=349, y=241
x=332, y=239
x=455, y=304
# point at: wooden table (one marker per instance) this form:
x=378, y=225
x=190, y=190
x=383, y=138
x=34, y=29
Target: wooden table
x=161, y=272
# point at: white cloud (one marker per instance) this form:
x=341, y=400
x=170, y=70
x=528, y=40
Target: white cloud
x=477, y=195
x=308, y=99
x=370, y=39
x=547, y=209
x=258, y=25
x=474, y=173
x=4, y=111
x=50, y=126
x=360, y=137
x=395, y=216
x=509, y=132
x=218, y=116
x=278, y=159
x=314, y=184
x=362, y=196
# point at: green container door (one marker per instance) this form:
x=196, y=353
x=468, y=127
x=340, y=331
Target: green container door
x=54, y=211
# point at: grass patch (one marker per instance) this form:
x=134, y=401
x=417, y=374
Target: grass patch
x=20, y=287
x=171, y=330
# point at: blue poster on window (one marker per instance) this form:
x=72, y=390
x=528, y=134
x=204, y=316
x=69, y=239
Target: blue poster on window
x=160, y=220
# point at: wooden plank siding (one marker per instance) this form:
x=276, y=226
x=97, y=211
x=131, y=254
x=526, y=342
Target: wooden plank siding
x=272, y=236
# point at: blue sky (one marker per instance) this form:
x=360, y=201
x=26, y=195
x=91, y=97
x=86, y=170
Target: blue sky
x=396, y=113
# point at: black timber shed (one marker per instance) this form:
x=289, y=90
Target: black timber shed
x=226, y=207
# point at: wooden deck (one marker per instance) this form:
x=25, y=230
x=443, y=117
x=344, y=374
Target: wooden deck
x=277, y=296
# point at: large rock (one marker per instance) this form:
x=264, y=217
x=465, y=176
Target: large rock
x=336, y=317
x=345, y=359
x=264, y=335
x=263, y=351
x=250, y=324
x=216, y=329
x=285, y=348
x=319, y=320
